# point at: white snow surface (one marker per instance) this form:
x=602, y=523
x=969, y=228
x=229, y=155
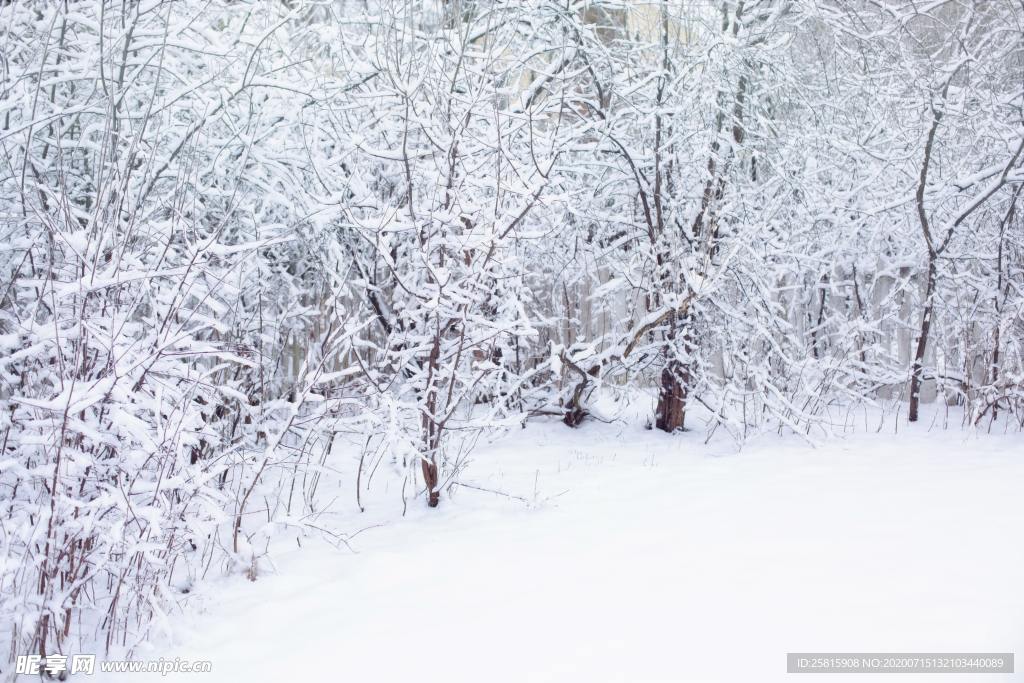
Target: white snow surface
x=641, y=557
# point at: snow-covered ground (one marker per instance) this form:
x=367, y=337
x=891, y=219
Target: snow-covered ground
x=637, y=556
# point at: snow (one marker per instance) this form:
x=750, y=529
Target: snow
x=630, y=555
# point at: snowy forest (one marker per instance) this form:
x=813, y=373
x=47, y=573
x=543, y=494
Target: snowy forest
x=238, y=239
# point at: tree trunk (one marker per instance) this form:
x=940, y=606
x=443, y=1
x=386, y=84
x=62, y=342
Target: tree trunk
x=429, y=467
x=671, y=413
x=431, y=427
x=574, y=412
x=922, y=343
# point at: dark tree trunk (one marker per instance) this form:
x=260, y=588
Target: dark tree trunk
x=430, y=479
x=671, y=413
x=922, y=343
x=431, y=427
x=573, y=410
x=574, y=413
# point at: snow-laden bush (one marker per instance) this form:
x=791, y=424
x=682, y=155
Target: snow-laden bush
x=158, y=289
